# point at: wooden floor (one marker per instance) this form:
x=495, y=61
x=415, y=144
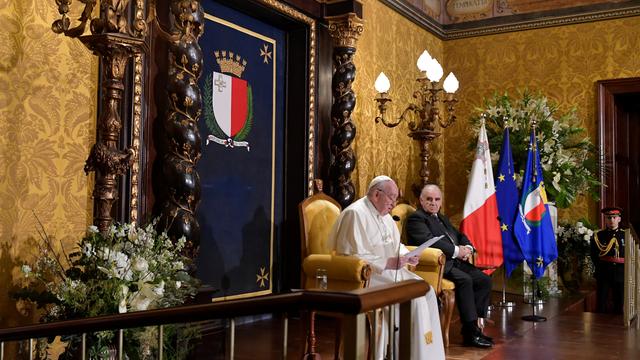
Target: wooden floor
x=568, y=333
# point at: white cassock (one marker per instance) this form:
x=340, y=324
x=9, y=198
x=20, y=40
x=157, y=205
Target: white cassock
x=361, y=231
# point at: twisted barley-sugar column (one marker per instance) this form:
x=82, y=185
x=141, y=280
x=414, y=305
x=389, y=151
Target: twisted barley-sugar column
x=344, y=31
x=181, y=124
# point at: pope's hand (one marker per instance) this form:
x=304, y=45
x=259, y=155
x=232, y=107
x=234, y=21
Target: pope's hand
x=398, y=262
x=413, y=260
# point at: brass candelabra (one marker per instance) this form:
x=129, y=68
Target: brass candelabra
x=424, y=114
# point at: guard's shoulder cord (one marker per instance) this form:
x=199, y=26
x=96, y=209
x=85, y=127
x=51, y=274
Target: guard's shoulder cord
x=605, y=249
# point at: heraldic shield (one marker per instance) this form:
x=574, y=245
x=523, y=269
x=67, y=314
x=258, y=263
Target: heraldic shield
x=228, y=102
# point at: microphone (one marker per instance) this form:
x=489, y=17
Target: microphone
x=391, y=345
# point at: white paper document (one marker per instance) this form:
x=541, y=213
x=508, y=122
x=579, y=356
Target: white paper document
x=417, y=251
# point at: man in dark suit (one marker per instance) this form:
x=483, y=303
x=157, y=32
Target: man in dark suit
x=473, y=287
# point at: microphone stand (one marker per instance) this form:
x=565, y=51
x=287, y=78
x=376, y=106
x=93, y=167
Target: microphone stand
x=391, y=345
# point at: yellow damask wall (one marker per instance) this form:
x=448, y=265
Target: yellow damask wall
x=562, y=62
x=47, y=110
x=392, y=44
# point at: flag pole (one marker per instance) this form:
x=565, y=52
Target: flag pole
x=533, y=317
x=534, y=286
x=504, y=302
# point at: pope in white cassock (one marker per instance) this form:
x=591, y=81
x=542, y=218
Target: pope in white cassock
x=366, y=230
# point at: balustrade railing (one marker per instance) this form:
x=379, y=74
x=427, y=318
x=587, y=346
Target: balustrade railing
x=353, y=305
x=631, y=278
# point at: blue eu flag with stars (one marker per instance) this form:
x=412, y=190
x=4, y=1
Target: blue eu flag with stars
x=507, y=196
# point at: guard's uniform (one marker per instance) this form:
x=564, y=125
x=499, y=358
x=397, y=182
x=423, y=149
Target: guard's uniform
x=607, y=253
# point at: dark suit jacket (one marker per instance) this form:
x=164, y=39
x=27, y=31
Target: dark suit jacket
x=421, y=227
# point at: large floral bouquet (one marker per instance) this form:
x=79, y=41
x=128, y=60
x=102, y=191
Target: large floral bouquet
x=574, y=251
x=129, y=268
x=567, y=156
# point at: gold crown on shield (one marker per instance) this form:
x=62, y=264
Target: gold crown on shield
x=230, y=63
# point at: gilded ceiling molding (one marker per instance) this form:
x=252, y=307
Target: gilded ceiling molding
x=294, y=14
x=344, y=31
x=506, y=23
x=543, y=23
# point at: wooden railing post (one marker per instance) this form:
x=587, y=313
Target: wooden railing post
x=353, y=328
x=406, y=314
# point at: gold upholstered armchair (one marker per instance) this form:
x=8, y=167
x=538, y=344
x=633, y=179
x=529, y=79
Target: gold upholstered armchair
x=431, y=268
x=318, y=213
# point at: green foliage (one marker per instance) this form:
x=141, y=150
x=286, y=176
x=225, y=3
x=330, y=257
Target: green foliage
x=128, y=268
x=568, y=157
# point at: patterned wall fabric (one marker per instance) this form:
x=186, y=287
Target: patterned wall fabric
x=562, y=62
x=48, y=86
x=392, y=45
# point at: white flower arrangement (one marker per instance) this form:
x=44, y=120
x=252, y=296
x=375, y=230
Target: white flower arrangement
x=568, y=158
x=574, y=247
x=127, y=269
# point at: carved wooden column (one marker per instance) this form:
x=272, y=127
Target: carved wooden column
x=424, y=138
x=344, y=31
x=180, y=124
x=105, y=158
x=115, y=37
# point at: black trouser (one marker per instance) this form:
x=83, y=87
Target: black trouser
x=610, y=276
x=473, y=290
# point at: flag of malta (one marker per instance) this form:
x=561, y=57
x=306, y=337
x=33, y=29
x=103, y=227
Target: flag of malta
x=480, y=221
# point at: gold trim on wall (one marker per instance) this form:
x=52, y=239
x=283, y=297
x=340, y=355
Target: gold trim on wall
x=135, y=141
x=287, y=10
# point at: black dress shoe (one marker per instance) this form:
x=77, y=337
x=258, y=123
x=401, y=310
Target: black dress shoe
x=488, y=338
x=477, y=341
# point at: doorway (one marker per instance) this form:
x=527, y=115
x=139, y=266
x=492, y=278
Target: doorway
x=619, y=131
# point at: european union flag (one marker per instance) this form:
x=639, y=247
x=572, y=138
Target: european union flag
x=533, y=227
x=507, y=196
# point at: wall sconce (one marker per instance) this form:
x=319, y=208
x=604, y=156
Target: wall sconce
x=425, y=113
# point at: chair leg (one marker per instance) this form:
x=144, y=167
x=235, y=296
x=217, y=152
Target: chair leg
x=338, y=341
x=310, y=353
x=448, y=303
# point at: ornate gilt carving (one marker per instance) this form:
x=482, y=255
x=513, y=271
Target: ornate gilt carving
x=345, y=30
x=105, y=158
x=114, y=15
x=114, y=42
x=291, y=12
x=135, y=143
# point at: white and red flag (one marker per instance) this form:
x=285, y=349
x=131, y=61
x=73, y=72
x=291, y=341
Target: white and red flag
x=480, y=219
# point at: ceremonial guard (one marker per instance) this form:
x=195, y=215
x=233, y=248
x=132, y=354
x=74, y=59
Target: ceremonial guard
x=607, y=253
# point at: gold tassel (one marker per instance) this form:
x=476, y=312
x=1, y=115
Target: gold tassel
x=428, y=337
